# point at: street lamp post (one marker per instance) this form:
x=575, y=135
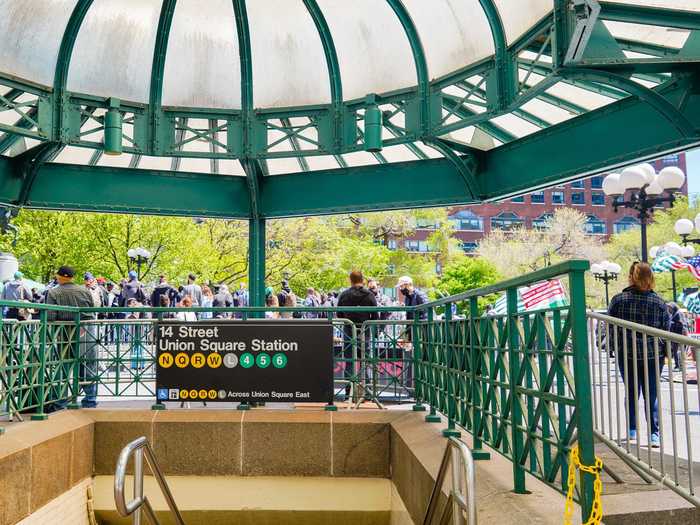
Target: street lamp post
x=605, y=272
x=138, y=256
x=645, y=190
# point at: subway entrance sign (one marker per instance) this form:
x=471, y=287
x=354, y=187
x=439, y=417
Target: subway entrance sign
x=273, y=361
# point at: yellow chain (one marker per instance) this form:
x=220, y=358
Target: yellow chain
x=597, y=509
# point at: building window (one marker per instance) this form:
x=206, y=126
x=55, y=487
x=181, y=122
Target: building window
x=557, y=197
x=392, y=245
x=506, y=221
x=417, y=246
x=391, y=269
x=519, y=200
x=624, y=224
x=597, y=183
x=467, y=221
x=469, y=247
x=578, y=198
x=427, y=224
x=537, y=197
x=595, y=226
x=597, y=199
x=542, y=222
x=577, y=184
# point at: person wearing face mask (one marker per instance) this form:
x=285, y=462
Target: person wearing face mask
x=412, y=296
x=382, y=300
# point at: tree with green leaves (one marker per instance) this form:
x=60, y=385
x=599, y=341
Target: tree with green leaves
x=467, y=274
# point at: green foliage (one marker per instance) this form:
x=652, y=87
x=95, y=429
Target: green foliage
x=468, y=274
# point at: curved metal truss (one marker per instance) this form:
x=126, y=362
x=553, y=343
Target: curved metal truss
x=492, y=130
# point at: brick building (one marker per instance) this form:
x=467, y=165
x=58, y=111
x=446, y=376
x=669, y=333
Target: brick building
x=476, y=221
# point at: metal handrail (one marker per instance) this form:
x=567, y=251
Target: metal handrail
x=133, y=508
x=460, y=503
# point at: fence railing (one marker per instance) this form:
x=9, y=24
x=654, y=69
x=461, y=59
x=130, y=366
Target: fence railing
x=518, y=382
x=661, y=438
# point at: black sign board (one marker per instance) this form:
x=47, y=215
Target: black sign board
x=272, y=361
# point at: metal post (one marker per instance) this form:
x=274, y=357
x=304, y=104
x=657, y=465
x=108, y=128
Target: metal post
x=643, y=221
x=673, y=283
x=475, y=359
x=138, y=483
x=433, y=416
x=41, y=414
x=582, y=383
x=450, y=431
x=515, y=408
x=76, y=357
x=256, y=261
x=607, y=284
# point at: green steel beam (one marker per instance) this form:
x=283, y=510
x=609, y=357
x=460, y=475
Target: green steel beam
x=65, y=51
x=465, y=166
x=657, y=16
x=256, y=261
x=646, y=48
x=414, y=184
x=69, y=187
x=333, y=66
x=9, y=139
x=488, y=127
x=160, y=50
x=651, y=97
x=420, y=61
x=612, y=136
x=294, y=141
x=504, y=71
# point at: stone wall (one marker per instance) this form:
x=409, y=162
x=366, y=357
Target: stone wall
x=40, y=461
x=69, y=508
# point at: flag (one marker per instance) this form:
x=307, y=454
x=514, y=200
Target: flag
x=692, y=264
x=666, y=263
x=692, y=303
x=546, y=294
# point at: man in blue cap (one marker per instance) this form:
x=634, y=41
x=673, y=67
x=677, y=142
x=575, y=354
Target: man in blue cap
x=15, y=290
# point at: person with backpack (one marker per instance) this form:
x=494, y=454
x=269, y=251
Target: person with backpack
x=132, y=289
x=312, y=301
x=15, y=290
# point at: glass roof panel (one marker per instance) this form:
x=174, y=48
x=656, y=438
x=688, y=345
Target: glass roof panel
x=520, y=15
x=454, y=33
x=662, y=36
x=373, y=51
x=113, y=53
x=289, y=66
x=73, y=155
x=686, y=5
x=202, y=66
x=31, y=36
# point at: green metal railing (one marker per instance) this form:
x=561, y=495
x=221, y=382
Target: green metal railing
x=519, y=382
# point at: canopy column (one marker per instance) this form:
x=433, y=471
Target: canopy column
x=256, y=261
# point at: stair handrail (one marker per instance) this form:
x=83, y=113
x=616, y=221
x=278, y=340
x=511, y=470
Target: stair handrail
x=459, y=503
x=141, y=448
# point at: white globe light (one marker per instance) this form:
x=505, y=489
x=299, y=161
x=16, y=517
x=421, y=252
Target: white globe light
x=131, y=253
x=653, y=252
x=671, y=178
x=673, y=248
x=596, y=269
x=612, y=185
x=649, y=171
x=146, y=254
x=654, y=188
x=687, y=251
x=614, y=267
x=633, y=178
x=683, y=227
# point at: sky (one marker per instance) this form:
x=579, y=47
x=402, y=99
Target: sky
x=693, y=160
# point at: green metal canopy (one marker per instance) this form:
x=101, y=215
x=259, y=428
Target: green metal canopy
x=275, y=108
